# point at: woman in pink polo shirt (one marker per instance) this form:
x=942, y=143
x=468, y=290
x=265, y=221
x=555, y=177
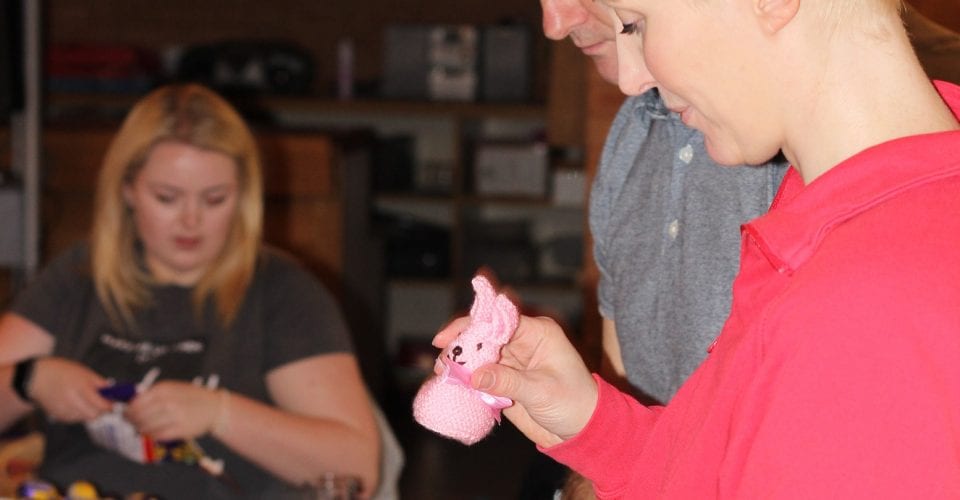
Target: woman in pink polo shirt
x=835, y=375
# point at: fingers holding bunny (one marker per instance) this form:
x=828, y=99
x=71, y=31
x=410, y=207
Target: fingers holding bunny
x=552, y=391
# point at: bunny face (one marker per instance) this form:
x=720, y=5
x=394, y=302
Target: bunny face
x=493, y=320
x=472, y=355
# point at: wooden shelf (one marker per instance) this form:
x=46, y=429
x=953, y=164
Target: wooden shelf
x=109, y=106
x=546, y=203
x=459, y=109
x=424, y=198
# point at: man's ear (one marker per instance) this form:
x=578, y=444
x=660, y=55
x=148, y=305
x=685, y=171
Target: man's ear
x=775, y=14
x=127, y=193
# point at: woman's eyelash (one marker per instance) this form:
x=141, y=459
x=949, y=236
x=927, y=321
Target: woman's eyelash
x=629, y=29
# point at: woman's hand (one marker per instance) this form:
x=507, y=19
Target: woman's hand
x=66, y=390
x=171, y=410
x=553, y=392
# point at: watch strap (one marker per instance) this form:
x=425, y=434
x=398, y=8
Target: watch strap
x=22, y=373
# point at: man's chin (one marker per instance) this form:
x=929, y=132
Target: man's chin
x=606, y=67
x=608, y=77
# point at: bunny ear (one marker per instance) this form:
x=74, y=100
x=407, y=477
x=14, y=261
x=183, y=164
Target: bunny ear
x=506, y=316
x=492, y=313
x=483, y=300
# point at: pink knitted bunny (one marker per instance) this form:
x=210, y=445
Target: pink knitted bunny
x=446, y=403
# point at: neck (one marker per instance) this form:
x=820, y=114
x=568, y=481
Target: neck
x=869, y=91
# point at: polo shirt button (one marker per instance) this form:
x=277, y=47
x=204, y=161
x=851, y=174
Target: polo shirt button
x=686, y=154
x=713, y=345
x=673, y=229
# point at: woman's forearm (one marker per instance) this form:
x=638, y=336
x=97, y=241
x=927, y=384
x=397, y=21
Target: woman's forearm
x=299, y=449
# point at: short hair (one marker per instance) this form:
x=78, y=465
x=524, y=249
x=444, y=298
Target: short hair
x=865, y=13
x=188, y=114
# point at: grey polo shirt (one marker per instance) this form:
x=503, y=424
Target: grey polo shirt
x=665, y=221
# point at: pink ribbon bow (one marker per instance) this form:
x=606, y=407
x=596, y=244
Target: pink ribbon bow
x=454, y=373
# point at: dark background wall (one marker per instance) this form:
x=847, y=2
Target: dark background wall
x=316, y=25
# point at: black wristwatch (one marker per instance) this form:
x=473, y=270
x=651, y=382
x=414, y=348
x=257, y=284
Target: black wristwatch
x=22, y=373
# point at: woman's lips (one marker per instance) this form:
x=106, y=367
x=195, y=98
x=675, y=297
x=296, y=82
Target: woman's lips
x=185, y=243
x=684, y=114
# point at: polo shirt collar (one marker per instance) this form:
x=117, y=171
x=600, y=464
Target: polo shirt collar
x=650, y=103
x=801, y=216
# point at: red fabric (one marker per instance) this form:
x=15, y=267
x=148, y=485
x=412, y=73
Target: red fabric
x=99, y=60
x=837, y=374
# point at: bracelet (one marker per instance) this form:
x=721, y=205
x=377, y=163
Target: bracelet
x=222, y=419
x=22, y=373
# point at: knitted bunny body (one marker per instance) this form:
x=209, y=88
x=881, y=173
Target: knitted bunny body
x=446, y=403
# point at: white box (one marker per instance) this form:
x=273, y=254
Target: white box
x=453, y=63
x=569, y=187
x=511, y=169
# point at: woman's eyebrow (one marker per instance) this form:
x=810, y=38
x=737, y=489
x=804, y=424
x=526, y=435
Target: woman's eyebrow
x=219, y=187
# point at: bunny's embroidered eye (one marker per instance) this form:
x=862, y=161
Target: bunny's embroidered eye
x=479, y=346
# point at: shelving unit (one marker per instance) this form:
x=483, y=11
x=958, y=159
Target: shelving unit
x=444, y=136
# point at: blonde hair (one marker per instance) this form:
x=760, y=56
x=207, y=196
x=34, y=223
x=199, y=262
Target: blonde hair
x=189, y=114
x=867, y=14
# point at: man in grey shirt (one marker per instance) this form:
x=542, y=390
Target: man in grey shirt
x=665, y=221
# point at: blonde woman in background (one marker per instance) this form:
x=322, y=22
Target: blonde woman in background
x=175, y=279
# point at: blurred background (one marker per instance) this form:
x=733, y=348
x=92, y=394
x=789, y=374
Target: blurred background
x=406, y=144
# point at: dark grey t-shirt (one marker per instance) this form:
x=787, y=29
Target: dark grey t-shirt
x=287, y=315
x=665, y=221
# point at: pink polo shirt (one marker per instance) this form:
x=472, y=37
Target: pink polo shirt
x=837, y=374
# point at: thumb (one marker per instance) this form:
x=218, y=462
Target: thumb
x=498, y=380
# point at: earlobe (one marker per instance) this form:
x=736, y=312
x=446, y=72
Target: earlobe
x=127, y=196
x=775, y=14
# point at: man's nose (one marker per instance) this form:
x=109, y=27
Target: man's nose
x=560, y=17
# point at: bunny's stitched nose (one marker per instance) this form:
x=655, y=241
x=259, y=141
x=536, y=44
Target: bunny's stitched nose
x=456, y=352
